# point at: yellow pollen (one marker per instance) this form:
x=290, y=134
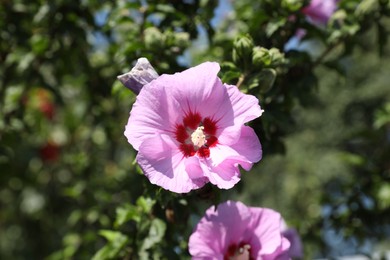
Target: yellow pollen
x=198, y=138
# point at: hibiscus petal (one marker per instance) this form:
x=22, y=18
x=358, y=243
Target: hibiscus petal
x=248, y=146
x=164, y=165
x=225, y=175
x=295, y=250
x=193, y=168
x=219, y=229
x=265, y=235
x=320, y=11
x=245, y=108
x=224, y=160
x=152, y=113
x=246, y=151
x=198, y=90
x=229, y=135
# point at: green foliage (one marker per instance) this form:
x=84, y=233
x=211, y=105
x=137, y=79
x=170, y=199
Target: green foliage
x=112, y=250
x=149, y=231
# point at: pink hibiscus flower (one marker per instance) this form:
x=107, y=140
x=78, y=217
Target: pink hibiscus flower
x=189, y=129
x=235, y=231
x=320, y=11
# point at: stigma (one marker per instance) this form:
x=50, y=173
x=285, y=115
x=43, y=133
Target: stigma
x=198, y=137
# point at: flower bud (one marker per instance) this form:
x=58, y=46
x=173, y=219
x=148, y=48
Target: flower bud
x=154, y=38
x=182, y=39
x=277, y=57
x=261, y=57
x=141, y=74
x=242, y=50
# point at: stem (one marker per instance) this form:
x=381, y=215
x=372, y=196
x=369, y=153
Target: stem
x=143, y=10
x=325, y=53
x=240, y=80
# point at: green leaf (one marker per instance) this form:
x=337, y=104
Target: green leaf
x=230, y=76
x=384, y=196
x=39, y=43
x=352, y=159
x=26, y=61
x=116, y=242
x=382, y=117
x=156, y=233
x=365, y=7
x=109, y=234
x=126, y=213
x=13, y=95
x=165, y=8
x=274, y=25
x=42, y=13
x=146, y=204
x=292, y=5
x=266, y=79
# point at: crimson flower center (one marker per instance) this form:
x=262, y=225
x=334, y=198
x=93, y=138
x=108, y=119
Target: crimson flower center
x=196, y=135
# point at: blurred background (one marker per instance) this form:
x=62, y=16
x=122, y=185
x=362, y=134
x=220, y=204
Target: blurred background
x=69, y=184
